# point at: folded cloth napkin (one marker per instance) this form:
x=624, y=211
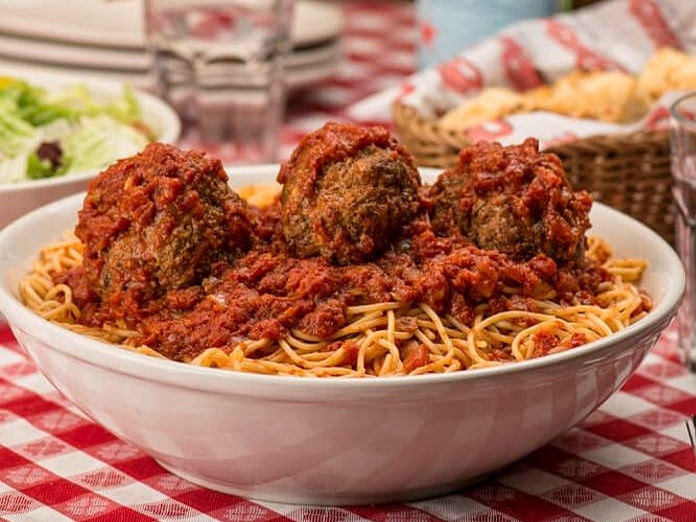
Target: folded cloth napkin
x=615, y=35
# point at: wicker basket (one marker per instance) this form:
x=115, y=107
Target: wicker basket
x=629, y=172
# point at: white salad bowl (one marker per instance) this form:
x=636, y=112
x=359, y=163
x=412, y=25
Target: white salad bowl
x=18, y=198
x=333, y=440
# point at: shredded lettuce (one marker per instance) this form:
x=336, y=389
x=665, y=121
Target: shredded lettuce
x=16, y=134
x=91, y=131
x=38, y=168
x=13, y=170
x=98, y=141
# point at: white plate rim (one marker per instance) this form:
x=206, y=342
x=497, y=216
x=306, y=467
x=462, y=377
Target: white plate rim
x=313, y=21
x=101, y=58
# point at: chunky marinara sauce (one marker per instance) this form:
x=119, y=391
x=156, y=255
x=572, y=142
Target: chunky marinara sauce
x=266, y=293
x=172, y=253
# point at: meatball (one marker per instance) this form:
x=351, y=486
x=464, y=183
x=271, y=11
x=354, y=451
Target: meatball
x=347, y=193
x=513, y=199
x=156, y=221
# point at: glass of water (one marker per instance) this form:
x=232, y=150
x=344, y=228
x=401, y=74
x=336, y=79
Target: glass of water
x=220, y=64
x=683, y=166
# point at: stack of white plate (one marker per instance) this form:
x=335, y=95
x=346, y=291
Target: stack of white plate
x=106, y=39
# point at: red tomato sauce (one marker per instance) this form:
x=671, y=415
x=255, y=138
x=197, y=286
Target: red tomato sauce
x=266, y=293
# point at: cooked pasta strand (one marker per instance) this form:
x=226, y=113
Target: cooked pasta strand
x=379, y=338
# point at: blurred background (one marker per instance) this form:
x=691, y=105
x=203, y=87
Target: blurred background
x=341, y=51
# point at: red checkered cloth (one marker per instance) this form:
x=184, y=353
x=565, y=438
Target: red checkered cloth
x=629, y=461
x=378, y=49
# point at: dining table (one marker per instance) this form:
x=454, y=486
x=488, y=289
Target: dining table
x=631, y=460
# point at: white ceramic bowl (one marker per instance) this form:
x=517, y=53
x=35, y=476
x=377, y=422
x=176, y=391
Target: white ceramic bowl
x=334, y=441
x=19, y=198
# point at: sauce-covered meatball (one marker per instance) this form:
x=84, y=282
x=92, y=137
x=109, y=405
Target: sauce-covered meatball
x=157, y=221
x=347, y=193
x=514, y=199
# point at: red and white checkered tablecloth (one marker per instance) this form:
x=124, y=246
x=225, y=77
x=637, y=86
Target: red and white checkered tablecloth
x=629, y=461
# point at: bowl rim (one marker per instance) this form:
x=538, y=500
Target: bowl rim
x=149, y=103
x=117, y=359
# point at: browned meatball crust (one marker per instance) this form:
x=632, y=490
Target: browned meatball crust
x=157, y=221
x=514, y=199
x=347, y=193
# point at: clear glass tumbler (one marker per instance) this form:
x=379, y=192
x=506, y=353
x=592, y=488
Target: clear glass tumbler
x=221, y=64
x=683, y=166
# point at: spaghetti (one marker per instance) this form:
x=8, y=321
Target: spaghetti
x=356, y=269
x=382, y=339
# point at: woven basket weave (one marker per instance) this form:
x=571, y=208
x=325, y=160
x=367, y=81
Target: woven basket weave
x=629, y=172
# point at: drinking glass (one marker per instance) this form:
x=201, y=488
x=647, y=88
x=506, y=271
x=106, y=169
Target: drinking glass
x=220, y=64
x=683, y=166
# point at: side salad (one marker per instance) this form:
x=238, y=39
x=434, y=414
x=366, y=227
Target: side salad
x=46, y=133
